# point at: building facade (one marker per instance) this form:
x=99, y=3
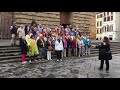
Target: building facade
x=110, y=25
x=84, y=20
x=99, y=25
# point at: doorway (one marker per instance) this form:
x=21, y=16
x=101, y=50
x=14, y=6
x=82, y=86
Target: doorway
x=65, y=18
x=6, y=20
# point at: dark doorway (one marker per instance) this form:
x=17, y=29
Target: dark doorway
x=65, y=25
x=65, y=18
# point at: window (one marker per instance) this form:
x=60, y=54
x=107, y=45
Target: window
x=97, y=23
x=97, y=16
x=100, y=30
x=103, y=29
x=104, y=19
x=108, y=18
x=100, y=23
x=100, y=15
x=107, y=13
x=111, y=12
x=111, y=18
x=97, y=31
x=111, y=27
x=107, y=28
x=104, y=14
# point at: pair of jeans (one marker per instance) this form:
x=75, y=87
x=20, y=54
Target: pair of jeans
x=75, y=51
x=59, y=54
x=102, y=63
x=48, y=55
x=13, y=39
x=81, y=51
x=41, y=53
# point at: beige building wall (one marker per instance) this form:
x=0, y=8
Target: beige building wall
x=84, y=20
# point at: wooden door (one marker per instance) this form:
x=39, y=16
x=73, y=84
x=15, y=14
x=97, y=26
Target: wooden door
x=6, y=20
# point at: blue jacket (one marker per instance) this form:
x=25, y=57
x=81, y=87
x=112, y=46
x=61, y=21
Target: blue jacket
x=87, y=41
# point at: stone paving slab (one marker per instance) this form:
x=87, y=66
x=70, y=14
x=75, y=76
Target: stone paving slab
x=77, y=68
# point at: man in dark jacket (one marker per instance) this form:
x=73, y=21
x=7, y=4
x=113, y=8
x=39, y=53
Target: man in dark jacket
x=26, y=29
x=13, y=29
x=41, y=46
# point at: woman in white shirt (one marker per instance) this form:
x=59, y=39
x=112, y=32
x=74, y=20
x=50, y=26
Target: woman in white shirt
x=80, y=46
x=59, y=48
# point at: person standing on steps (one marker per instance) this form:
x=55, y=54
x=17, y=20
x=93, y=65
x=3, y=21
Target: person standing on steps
x=24, y=49
x=13, y=29
x=104, y=52
x=59, y=48
x=21, y=33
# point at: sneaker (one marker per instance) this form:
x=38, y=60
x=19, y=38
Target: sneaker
x=100, y=68
x=24, y=62
x=60, y=59
x=30, y=61
x=36, y=60
x=57, y=60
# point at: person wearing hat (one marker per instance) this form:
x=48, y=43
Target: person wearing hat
x=24, y=49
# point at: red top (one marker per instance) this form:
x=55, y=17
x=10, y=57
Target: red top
x=74, y=43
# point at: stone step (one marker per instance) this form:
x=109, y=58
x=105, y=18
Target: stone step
x=9, y=51
x=9, y=54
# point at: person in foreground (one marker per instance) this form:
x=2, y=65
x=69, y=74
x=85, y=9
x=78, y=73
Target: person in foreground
x=104, y=52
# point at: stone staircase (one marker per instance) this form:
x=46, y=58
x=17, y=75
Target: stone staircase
x=13, y=54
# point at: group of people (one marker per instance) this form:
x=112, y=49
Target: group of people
x=39, y=41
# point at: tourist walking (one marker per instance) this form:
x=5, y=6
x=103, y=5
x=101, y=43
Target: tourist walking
x=13, y=29
x=59, y=48
x=104, y=52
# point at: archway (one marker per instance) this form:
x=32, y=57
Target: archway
x=65, y=18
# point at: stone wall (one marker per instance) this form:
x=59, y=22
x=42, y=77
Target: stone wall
x=52, y=19
x=84, y=20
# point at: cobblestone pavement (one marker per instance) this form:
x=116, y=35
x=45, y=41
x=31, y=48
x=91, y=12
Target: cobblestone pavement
x=69, y=68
